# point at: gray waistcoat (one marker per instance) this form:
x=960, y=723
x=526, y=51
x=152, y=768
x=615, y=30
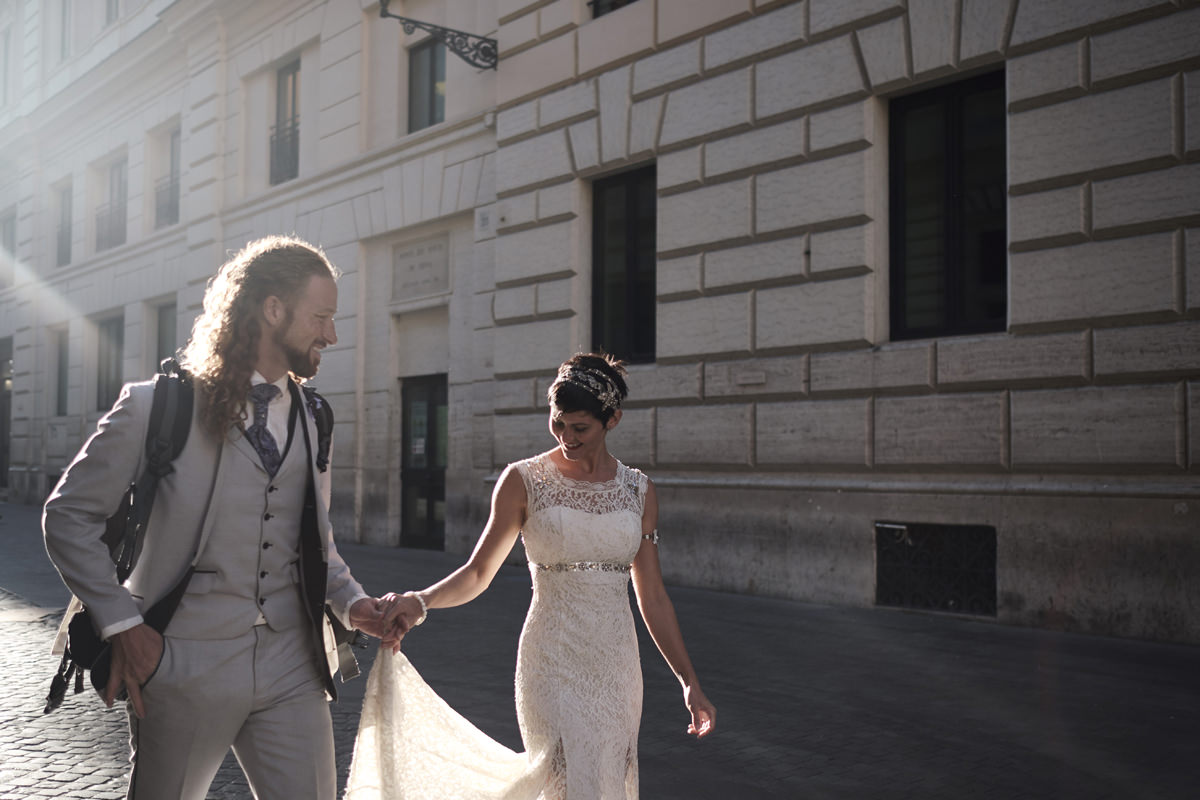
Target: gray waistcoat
x=249, y=564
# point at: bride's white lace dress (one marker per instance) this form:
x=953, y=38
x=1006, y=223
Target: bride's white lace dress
x=579, y=680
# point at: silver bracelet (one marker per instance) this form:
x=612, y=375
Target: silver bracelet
x=424, y=607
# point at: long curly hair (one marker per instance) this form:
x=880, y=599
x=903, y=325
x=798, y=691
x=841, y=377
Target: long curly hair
x=220, y=355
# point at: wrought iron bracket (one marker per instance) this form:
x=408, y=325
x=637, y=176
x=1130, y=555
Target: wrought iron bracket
x=478, y=51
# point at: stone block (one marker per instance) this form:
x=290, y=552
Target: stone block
x=1151, y=44
x=844, y=248
x=678, y=168
x=575, y=100
x=555, y=201
x=1122, y=126
x=704, y=108
x=1097, y=425
x=932, y=28
x=585, y=144
x=981, y=32
x=516, y=121
x=885, y=52
x=707, y=214
x=677, y=18
x=1058, y=212
x=1058, y=69
x=825, y=15
x=530, y=71
x=759, y=146
x=1157, y=350
x=813, y=432
x=645, y=118
x=893, y=366
x=667, y=67
x=656, y=383
x=1191, y=113
x=1192, y=257
x=948, y=430
x=1041, y=20
x=517, y=209
x=530, y=161
x=531, y=347
x=817, y=313
x=1147, y=197
x=817, y=191
x=536, y=252
x=754, y=36
x=554, y=297
x=507, y=9
x=1011, y=360
x=613, y=91
x=517, y=34
x=830, y=71
x=558, y=15
x=704, y=435
x=704, y=326
x=514, y=303
x=678, y=275
x=616, y=36
x=783, y=258
x=849, y=124
x=513, y=395
x=517, y=436
x=633, y=438
x=1093, y=280
x=784, y=375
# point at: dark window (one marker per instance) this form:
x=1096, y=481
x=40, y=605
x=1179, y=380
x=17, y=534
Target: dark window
x=166, y=189
x=425, y=438
x=5, y=40
x=623, y=264
x=166, y=333
x=110, y=344
x=426, y=85
x=112, y=9
x=936, y=567
x=285, y=136
x=62, y=354
x=8, y=248
x=64, y=40
x=948, y=221
x=6, y=386
x=63, y=234
x=110, y=217
x=602, y=7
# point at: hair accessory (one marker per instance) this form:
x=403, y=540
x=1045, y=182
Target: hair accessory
x=595, y=382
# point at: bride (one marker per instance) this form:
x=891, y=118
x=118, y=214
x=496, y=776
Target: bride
x=588, y=523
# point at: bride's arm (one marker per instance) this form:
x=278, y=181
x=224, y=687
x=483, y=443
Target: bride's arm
x=659, y=615
x=468, y=581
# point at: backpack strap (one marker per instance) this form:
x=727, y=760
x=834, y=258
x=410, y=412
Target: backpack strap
x=323, y=416
x=170, y=423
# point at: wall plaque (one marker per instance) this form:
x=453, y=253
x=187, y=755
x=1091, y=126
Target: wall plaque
x=421, y=269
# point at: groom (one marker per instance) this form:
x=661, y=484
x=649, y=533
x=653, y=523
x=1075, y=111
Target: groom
x=243, y=661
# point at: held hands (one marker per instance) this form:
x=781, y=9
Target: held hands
x=401, y=613
x=136, y=654
x=704, y=715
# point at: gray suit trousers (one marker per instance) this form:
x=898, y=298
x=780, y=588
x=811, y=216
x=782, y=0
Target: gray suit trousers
x=259, y=693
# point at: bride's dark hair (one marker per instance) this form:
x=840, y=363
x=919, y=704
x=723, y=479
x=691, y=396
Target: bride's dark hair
x=569, y=397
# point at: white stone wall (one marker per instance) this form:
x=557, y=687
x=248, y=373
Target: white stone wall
x=779, y=421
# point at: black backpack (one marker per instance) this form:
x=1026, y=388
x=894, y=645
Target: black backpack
x=170, y=423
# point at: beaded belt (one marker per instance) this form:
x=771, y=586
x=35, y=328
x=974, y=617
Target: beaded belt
x=582, y=566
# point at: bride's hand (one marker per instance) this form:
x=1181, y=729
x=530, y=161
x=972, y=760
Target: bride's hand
x=704, y=715
x=401, y=613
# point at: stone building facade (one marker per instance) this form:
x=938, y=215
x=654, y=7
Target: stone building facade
x=911, y=289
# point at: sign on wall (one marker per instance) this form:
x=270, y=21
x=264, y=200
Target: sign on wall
x=421, y=269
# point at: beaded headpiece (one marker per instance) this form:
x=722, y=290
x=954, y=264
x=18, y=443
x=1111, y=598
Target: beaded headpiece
x=593, y=381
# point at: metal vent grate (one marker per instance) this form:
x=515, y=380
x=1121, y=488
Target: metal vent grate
x=936, y=567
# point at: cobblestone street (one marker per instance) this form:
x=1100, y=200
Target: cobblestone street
x=814, y=702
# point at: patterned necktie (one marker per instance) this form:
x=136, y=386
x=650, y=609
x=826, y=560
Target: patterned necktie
x=268, y=449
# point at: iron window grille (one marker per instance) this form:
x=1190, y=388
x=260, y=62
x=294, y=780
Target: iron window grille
x=602, y=7
x=933, y=567
x=624, y=216
x=948, y=237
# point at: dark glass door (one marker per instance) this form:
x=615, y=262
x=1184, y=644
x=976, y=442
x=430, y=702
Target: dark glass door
x=6, y=374
x=423, y=463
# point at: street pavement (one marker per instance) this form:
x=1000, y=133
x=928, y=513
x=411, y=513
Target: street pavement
x=813, y=701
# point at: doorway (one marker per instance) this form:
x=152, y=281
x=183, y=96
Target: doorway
x=423, y=462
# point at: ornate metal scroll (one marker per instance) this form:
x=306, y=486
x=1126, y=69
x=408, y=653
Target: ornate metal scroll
x=478, y=51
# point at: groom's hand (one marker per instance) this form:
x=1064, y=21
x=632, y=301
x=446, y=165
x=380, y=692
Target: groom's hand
x=401, y=613
x=367, y=615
